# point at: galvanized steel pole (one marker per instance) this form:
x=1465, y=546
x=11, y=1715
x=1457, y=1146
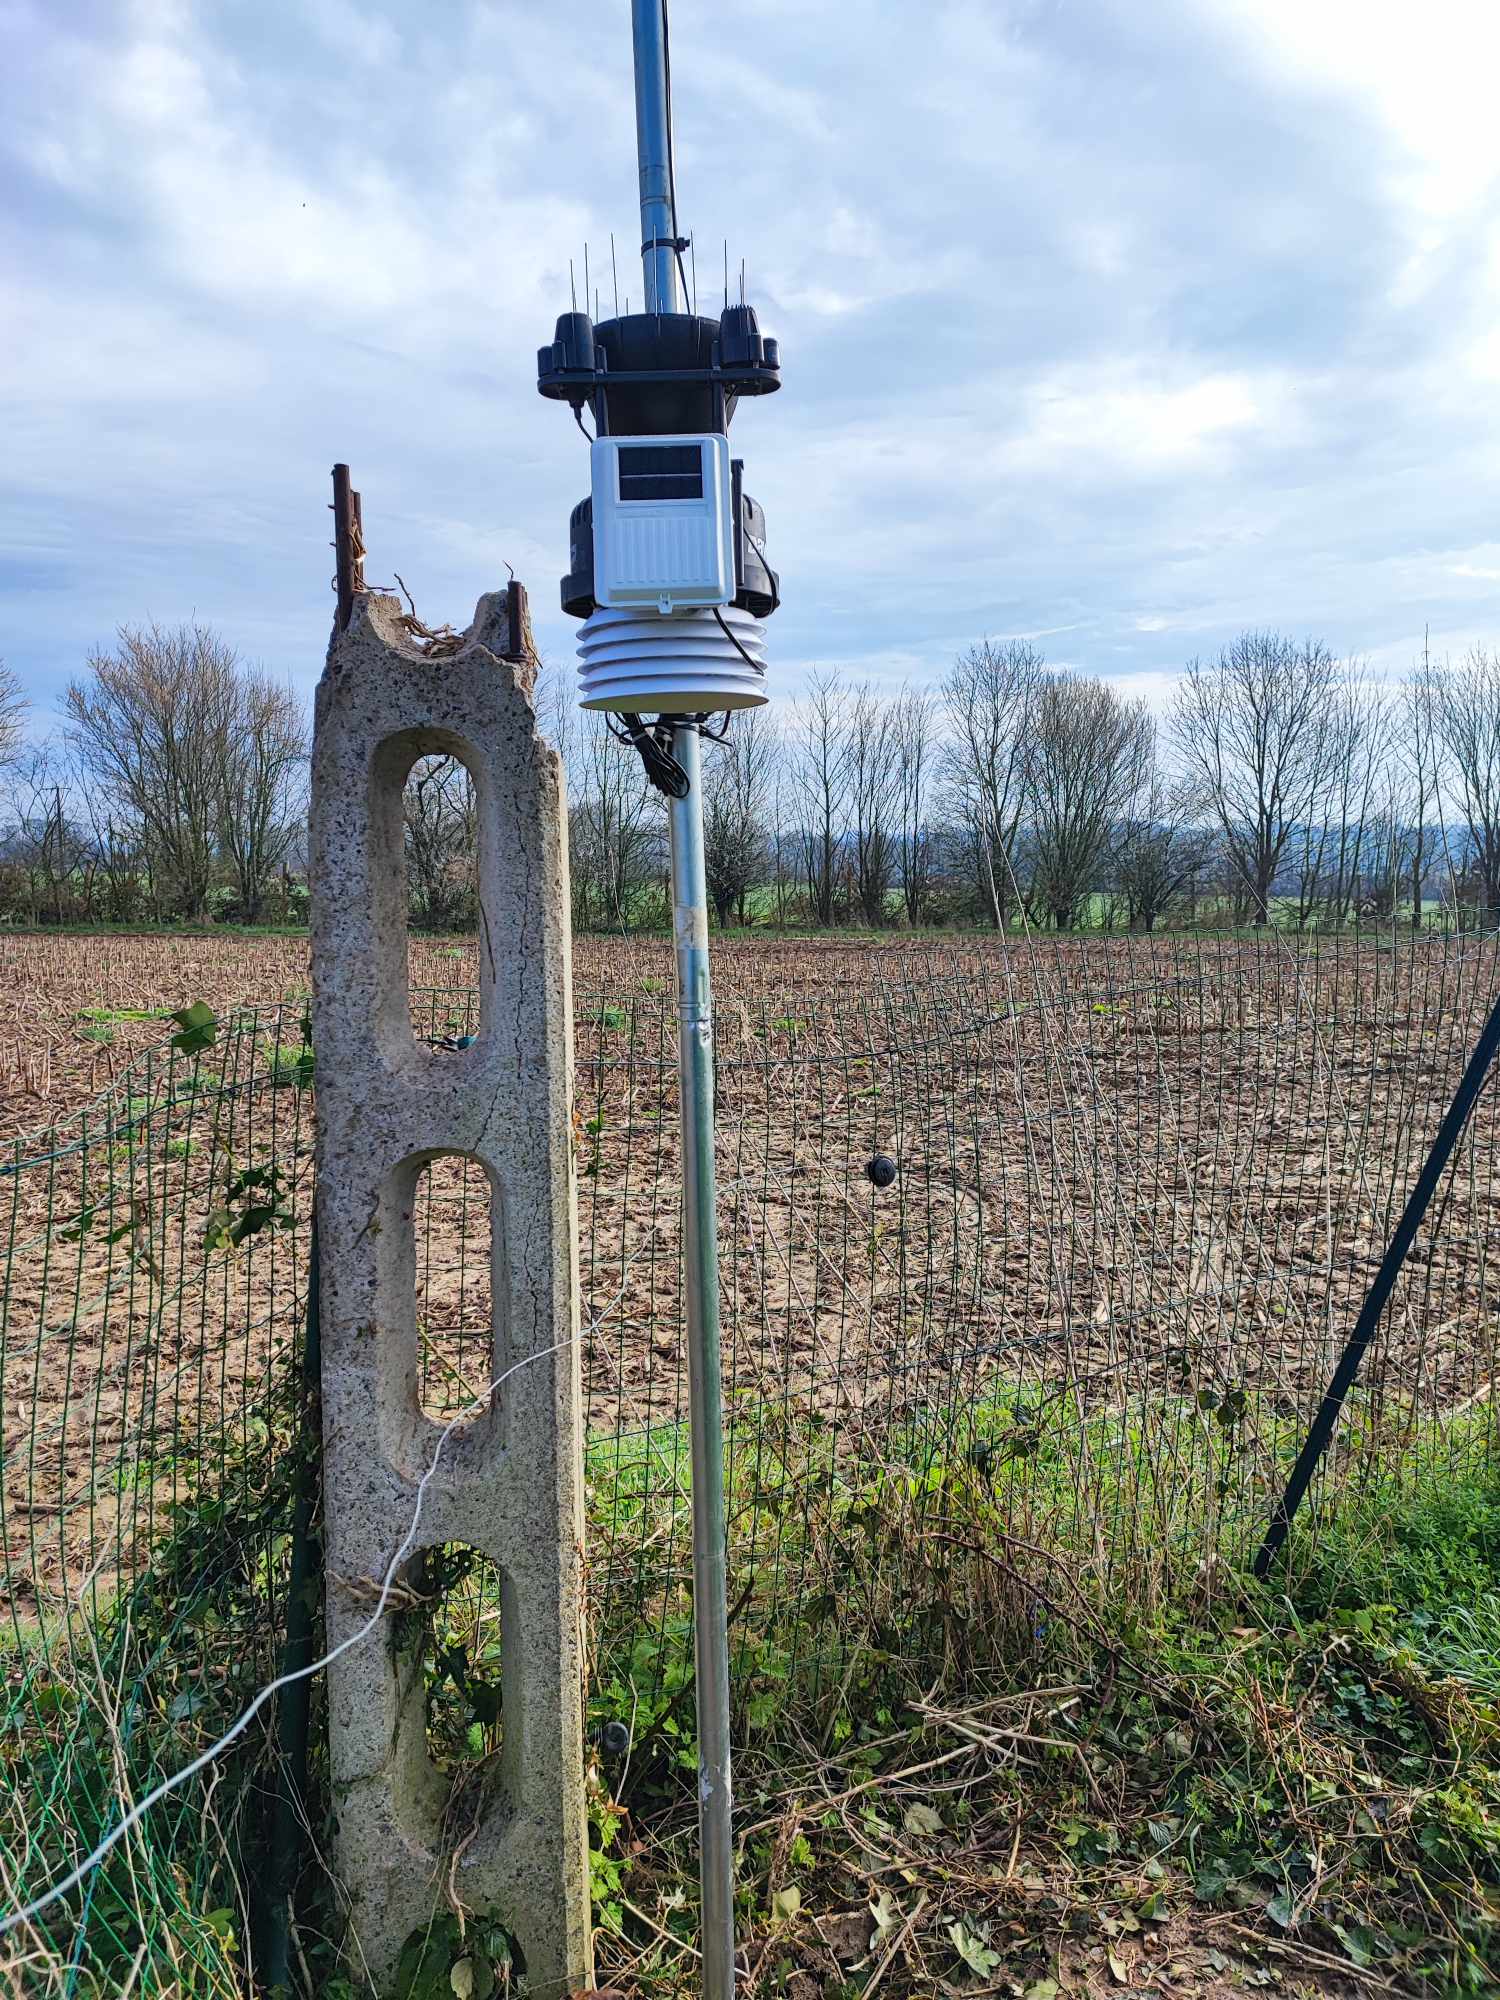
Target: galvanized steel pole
x=653, y=142
x=705, y=1396
x=653, y=124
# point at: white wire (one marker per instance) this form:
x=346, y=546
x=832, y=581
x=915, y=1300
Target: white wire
x=139, y=1810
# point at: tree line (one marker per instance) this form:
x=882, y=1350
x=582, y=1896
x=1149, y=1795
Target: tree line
x=173, y=791
x=1283, y=784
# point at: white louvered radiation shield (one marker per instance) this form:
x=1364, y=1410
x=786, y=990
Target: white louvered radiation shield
x=689, y=663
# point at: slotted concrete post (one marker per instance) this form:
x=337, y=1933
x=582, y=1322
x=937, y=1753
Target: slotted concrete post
x=509, y=1482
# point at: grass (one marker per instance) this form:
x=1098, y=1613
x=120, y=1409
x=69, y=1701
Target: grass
x=1310, y=1775
x=123, y=1690
x=1094, y=918
x=979, y=1765
x=998, y=1759
x=107, y=1016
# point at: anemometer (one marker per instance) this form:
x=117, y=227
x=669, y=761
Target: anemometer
x=667, y=566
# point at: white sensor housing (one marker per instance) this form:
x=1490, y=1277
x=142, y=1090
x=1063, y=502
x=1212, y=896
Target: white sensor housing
x=638, y=662
x=663, y=526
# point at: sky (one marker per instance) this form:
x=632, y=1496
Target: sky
x=1119, y=326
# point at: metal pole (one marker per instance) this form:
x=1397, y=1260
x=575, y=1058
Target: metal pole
x=653, y=144
x=705, y=1397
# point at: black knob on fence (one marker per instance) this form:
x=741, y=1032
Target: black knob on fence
x=880, y=1169
x=614, y=1739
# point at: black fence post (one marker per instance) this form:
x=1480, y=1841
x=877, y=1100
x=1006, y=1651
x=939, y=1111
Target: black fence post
x=1379, y=1292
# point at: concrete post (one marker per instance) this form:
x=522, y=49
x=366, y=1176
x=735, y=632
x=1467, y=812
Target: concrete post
x=509, y=1482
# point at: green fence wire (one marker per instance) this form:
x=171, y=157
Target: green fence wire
x=147, y=1366
x=1141, y=1186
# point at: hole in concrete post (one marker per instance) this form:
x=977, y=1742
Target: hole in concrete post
x=463, y=1670
x=430, y=826
x=458, y=1245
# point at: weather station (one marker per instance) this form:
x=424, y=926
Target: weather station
x=669, y=575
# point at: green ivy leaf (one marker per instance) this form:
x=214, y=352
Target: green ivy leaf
x=973, y=1948
x=199, y=1026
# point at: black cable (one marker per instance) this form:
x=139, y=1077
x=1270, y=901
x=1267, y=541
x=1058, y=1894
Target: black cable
x=578, y=419
x=759, y=549
x=666, y=64
x=746, y=657
x=654, y=748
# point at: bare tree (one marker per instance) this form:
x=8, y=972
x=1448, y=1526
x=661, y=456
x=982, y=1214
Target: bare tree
x=782, y=843
x=555, y=699
x=1469, y=718
x=1088, y=756
x=41, y=844
x=820, y=742
x=1334, y=846
x=1382, y=878
x=262, y=799
x=1417, y=760
x=615, y=827
x=149, y=728
x=13, y=707
x=1254, y=730
x=441, y=830
x=737, y=784
x=916, y=774
x=117, y=859
x=1160, y=845
x=989, y=694
x=871, y=758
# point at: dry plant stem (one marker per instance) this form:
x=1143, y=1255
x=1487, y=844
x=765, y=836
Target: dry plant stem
x=678, y=1944
x=898, y=1943
x=870, y=1784
x=297, y=1947
x=1310, y=1955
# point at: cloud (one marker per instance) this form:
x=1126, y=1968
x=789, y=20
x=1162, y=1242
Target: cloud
x=1426, y=74
x=1136, y=324
x=1118, y=421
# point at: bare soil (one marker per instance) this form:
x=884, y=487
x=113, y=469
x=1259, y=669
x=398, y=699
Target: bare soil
x=1140, y=1183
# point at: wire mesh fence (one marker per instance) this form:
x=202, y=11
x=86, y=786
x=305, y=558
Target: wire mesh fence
x=150, y=1320
x=1140, y=1191
x=1140, y=1187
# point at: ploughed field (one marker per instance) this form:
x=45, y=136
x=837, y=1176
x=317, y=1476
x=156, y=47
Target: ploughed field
x=1139, y=1182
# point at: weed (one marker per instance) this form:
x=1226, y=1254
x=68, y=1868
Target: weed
x=107, y=1016
x=1318, y=1767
